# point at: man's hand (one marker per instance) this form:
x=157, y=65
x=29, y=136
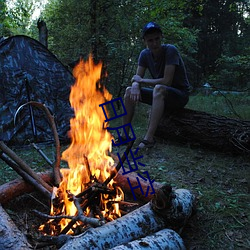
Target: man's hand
x=136, y=78
x=135, y=93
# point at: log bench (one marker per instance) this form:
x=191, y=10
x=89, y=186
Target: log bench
x=211, y=131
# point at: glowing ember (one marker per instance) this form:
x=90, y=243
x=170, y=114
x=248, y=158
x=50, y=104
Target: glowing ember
x=88, y=155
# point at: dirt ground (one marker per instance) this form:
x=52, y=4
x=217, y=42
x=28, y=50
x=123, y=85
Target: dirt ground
x=220, y=182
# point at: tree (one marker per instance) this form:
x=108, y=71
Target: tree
x=111, y=30
x=20, y=15
x=223, y=32
x=4, y=20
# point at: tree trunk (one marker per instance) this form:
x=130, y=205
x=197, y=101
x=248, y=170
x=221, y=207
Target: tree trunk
x=212, y=131
x=43, y=32
x=10, y=237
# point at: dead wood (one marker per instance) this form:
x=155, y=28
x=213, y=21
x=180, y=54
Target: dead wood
x=138, y=223
x=15, y=188
x=122, y=180
x=174, y=206
x=119, y=164
x=10, y=237
x=37, y=185
x=163, y=239
x=18, y=187
x=148, y=219
x=212, y=131
x=24, y=166
x=43, y=32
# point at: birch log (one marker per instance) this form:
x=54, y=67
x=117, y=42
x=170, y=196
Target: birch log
x=10, y=237
x=162, y=240
x=150, y=218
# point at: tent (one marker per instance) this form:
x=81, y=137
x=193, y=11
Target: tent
x=30, y=72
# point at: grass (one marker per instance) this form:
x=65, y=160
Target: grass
x=233, y=106
x=220, y=181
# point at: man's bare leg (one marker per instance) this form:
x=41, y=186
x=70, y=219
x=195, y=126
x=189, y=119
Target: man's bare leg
x=156, y=113
x=130, y=108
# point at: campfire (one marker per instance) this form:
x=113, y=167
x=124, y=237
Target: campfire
x=84, y=188
x=87, y=206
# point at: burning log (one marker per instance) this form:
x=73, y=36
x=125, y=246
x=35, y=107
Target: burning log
x=120, y=178
x=10, y=237
x=18, y=187
x=15, y=188
x=165, y=210
x=138, y=223
x=163, y=239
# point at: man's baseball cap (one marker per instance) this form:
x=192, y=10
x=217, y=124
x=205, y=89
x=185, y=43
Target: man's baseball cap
x=149, y=27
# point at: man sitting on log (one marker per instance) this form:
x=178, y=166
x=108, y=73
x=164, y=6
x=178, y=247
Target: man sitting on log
x=168, y=89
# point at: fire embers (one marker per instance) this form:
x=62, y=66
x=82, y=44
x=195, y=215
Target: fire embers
x=95, y=206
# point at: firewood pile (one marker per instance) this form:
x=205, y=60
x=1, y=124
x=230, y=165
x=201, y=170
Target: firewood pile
x=154, y=222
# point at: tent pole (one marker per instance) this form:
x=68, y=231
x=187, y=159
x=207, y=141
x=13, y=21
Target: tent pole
x=33, y=125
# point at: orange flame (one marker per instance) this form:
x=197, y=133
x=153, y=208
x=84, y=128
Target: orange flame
x=87, y=156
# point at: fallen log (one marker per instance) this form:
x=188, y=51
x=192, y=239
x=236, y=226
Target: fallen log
x=163, y=239
x=120, y=178
x=23, y=165
x=26, y=176
x=18, y=187
x=147, y=219
x=10, y=237
x=174, y=206
x=212, y=131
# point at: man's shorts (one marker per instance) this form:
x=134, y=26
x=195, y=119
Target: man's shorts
x=175, y=99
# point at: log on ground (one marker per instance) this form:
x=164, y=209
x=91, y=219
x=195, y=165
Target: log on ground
x=148, y=219
x=10, y=237
x=139, y=223
x=163, y=239
x=18, y=187
x=212, y=131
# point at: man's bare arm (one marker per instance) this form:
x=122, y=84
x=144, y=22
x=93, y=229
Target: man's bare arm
x=166, y=80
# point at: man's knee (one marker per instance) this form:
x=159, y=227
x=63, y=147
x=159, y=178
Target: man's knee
x=159, y=91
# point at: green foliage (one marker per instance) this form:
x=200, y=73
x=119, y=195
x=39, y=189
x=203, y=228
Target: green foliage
x=212, y=36
x=20, y=16
x=111, y=31
x=4, y=19
x=224, y=30
x=233, y=72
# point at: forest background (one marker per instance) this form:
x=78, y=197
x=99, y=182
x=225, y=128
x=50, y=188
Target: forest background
x=212, y=36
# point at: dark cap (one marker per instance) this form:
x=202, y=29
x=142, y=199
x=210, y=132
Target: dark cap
x=150, y=27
